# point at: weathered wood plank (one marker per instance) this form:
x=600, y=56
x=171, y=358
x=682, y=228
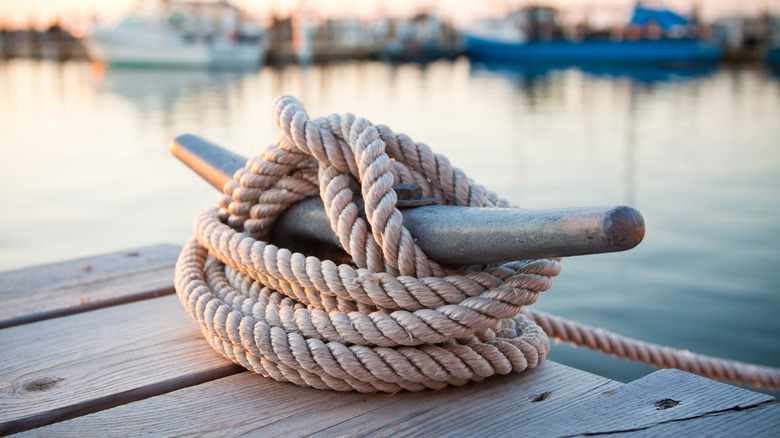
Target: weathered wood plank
x=662, y=397
x=758, y=421
x=480, y=409
x=65, y=367
x=143, y=368
x=38, y=293
x=247, y=403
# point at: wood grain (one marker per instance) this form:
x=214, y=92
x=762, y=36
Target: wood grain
x=478, y=410
x=759, y=421
x=249, y=404
x=138, y=365
x=49, y=291
x=61, y=368
x=665, y=396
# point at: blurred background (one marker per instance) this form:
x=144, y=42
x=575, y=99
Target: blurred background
x=672, y=108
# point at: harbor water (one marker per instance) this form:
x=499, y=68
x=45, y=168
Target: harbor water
x=85, y=169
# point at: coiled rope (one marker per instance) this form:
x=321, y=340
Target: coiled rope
x=390, y=319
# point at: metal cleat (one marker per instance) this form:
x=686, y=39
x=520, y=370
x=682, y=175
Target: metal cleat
x=451, y=235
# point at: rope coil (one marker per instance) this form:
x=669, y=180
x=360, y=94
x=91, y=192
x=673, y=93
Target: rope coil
x=391, y=318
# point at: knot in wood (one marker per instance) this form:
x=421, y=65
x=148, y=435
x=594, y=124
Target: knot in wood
x=41, y=384
x=666, y=403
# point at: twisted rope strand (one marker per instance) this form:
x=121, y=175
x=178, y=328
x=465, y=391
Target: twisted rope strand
x=653, y=354
x=395, y=321
x=392, y=319
x=246, y=326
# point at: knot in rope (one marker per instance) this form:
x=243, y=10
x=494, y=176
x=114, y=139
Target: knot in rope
x=387, y=319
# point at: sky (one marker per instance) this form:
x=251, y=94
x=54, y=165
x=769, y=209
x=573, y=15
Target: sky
x=18, y=13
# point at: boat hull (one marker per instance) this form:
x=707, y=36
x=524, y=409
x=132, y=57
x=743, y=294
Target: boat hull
x=121, y=50
x=640, y=51
x=773, y=57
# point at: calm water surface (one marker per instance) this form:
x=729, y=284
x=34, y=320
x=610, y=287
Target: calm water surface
x=85, y=169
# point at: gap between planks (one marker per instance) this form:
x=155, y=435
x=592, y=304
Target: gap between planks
x=52, y=291
x=247, y=403
x=165, y=378
x=577, y=404
x=65, y=367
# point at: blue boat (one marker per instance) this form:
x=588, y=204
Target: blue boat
x=654, y=35
x=773, y=57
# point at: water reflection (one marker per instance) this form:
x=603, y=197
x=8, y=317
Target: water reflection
x=525, y=76
x=693, y=149
x=162, y=88
x=528, y=74
x=653, y=74
x=174, y=101
x=774, y=70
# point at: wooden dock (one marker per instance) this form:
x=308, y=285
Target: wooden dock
x=102, y=347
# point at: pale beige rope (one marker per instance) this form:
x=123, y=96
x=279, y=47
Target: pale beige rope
x=392, y=319
x=260, y=329
x=582, y=335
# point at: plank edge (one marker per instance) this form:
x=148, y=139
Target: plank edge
x=86, y=307
x=111, y=401
x=716, y=413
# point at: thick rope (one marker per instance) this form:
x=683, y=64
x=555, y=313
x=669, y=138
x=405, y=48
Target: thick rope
x=653, y=354
x=391, y=319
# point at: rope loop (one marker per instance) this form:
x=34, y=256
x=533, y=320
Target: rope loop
x=388, y=320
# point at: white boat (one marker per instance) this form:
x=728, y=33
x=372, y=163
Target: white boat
x=171, y=33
